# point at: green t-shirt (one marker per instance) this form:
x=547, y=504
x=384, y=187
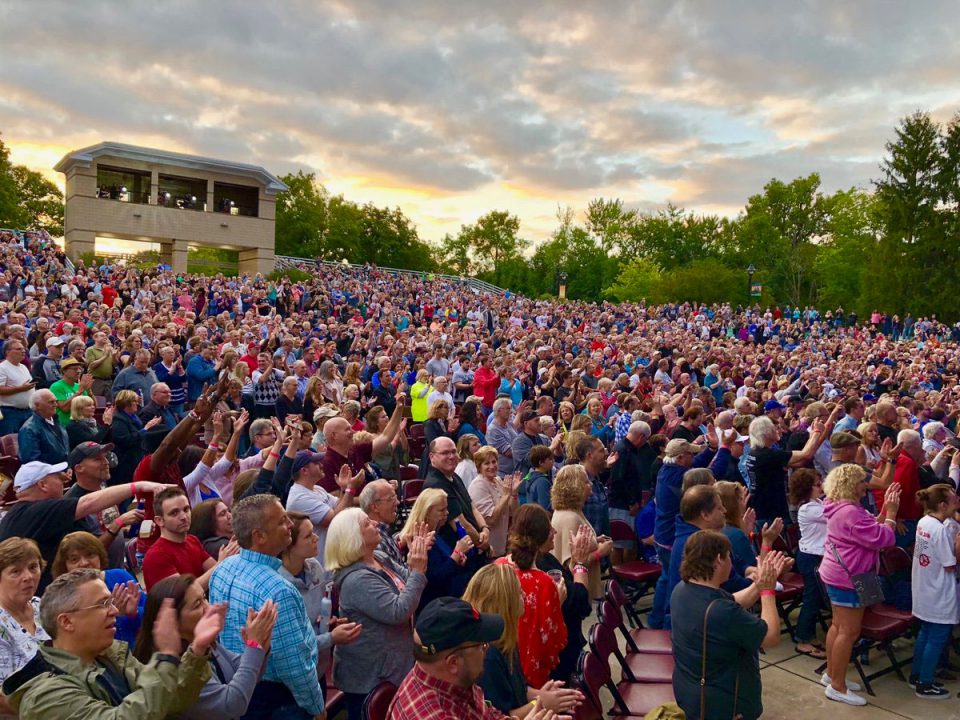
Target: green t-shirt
x=61, y=391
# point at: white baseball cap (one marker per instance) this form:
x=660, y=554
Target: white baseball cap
x=33, y=472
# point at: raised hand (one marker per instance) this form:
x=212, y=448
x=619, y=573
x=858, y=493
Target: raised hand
x=417, y=555
x=771, y=531
x=259, y=627
x=231, y=548
x=153, y=422
x=126, y=597
x=208, y=627
x=749, y=520
x=241, y=422
x=166, y=630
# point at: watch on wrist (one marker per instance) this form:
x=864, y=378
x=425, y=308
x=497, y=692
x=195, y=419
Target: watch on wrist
x=166, y=657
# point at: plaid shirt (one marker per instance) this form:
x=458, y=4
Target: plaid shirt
x=422, y=697
x=247, y=581
x=623, y=426
x=389, y=545
x=596, y=509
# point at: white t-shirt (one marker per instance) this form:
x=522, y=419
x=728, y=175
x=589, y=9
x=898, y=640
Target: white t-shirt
x=935, y=586
x=315, y=504
x=11, y=376
x=813, y=527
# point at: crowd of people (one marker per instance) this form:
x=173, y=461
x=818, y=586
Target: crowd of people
x=234, y=496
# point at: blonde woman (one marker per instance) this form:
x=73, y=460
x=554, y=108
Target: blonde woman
x=495, y=589
x=856, y=537
x=451, y=561
x=570, y=491
x=83, y=426
x=467, y=445
x=566, y=412
x=494, y=497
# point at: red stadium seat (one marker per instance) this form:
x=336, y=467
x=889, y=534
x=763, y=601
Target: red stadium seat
x=377, y=704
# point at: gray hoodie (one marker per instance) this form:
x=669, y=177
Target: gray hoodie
x=384, y=650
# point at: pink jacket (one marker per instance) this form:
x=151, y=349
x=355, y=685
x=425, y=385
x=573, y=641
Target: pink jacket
x=858, y=538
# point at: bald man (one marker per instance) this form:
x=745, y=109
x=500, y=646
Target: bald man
x=342, y=450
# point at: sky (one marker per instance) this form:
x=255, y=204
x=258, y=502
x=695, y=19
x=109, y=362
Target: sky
x=452, y=109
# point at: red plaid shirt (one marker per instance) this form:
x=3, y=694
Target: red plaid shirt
x=421, y=697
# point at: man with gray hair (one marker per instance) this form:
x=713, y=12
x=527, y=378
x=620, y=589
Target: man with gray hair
x=379, y=501
x=16, y=387
x=290, y=687
x=630, y=476
x=912, y=472
x=86, y=671
x=137, y=376
x=42, y=437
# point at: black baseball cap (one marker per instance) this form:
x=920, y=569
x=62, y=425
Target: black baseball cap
x=448, y=622
x=87, y=450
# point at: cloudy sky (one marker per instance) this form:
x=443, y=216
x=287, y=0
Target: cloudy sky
x=451, y=109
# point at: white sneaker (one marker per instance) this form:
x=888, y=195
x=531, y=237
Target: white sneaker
x=851, y=685
x=848, y=697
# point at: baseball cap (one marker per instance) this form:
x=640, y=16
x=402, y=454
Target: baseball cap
x=770, y=405
x=69, y=362
x=448, y=622
x=843, y=439
x=679, y=446
x=304, y=458
x=33, y=472
x=87, y=450
x=54, y=341
x=528, y=415
x=869, y=397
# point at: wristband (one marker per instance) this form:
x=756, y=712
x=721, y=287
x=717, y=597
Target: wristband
x=274, y=454
x=596, y=555
x=253, y=644
x=133, y=488
x=579, y=569
x=350, y=491
x=165, y=657
x=214, y=446
x=768, y=593
x=890, y=520
x=765, y=548
x=459, y=554
x=120, y=523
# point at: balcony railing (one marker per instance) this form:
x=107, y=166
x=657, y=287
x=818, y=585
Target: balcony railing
x=181, y=202
x=122, y=194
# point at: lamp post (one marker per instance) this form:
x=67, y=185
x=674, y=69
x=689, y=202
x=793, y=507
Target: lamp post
x=562, y=276
x=750, y=271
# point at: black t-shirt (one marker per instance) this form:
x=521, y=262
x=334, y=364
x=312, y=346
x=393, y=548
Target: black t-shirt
x=45, y=522
x=685, y=433
x=90, y=523
x=458, y=499
x=767, y=468
x=886, y=433
x=503, y=686
x=733, y=641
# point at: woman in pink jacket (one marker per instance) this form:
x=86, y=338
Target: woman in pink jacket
x=857, y=537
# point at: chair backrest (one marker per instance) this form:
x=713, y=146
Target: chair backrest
x=377, y=703
x=415, y=431
x=615, y=594
x=620, y=530
x=895, y=560
x=10, y=445
x=603, y=641
x=611, y=616
x=411, y=489
x=595, y=674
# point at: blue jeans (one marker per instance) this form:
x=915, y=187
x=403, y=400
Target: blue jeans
x=931, y=640
x=658, y=612
x=812, y=598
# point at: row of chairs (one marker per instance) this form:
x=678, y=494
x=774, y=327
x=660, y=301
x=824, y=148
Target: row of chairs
x=646, y=667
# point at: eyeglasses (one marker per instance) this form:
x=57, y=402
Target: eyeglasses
x=104, y=604
x=473, y=645
x=388, y=499
x=444, y=452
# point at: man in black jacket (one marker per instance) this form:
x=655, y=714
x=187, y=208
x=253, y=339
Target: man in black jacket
x=629, y=477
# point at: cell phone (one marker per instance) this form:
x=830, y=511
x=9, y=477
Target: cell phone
x=954, y=443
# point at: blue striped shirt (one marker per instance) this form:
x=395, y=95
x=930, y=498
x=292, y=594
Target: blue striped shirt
x=247, y=581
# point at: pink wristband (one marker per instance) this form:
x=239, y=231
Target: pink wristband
x=133, y=488
x=254, y=644
x=768, y=593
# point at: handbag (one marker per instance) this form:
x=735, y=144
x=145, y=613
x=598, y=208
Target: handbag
x=866, y=585
x=703, y=673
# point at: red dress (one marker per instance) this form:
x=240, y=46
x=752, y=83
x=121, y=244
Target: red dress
x=541, y=632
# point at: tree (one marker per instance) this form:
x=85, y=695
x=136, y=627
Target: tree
x=778, y=232
x=851, y=235
x=492, y=240
x=301, y=216
x=41, y=202
x=910, y=252
x=638, y=280
x=27, y=199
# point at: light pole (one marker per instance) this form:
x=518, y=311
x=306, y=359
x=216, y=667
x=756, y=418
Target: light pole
x=562, y=289
x=750, y=271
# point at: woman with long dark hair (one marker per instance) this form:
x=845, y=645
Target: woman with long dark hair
x=230, y=687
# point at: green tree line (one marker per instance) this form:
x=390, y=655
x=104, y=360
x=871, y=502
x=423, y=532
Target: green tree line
x=893, y=245
x=27, y=199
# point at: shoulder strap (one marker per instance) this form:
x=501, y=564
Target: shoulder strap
x=833, y=547
x=703, y=664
